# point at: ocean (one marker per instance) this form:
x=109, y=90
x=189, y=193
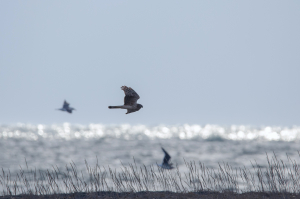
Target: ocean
x=42, y=147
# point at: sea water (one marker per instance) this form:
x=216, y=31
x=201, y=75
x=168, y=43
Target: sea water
x=44, y=146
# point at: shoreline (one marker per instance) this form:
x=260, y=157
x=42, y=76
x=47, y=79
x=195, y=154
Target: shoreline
x=279, y=180
x=159, y=194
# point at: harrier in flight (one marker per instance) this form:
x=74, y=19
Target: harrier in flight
x=166, y=161
x=66, y=107
x=130, y=99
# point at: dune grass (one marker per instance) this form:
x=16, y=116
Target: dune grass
x=279, y=179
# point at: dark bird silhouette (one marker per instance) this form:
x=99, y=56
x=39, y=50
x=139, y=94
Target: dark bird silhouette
x=66, y=107
x=130, y=100
x=165, y=164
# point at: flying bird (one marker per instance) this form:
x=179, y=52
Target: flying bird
x=165, y=164
x=66, y=107
x=130, y=99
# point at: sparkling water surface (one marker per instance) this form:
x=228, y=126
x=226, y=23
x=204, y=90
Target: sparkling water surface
x=44, y=146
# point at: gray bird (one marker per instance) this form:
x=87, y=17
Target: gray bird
x=66, y=107
x=165, y=164
x=130, y=101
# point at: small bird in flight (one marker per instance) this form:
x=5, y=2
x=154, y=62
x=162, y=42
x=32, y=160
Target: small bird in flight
x=165, y=164
x=66, y=107
x=130, y=99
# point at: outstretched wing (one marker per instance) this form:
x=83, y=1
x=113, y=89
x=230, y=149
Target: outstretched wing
x=131, y=97
x=167, y=156
x=66, y=105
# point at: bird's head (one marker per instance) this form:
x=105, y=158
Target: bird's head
x=139, y=106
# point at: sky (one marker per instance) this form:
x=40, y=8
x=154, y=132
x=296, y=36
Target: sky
x=196, y=62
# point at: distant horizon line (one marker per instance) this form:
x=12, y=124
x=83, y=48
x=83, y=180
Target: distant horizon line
x=153, y=124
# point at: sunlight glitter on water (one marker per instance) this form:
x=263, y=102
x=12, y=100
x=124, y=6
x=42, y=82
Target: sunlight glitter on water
x=131, y=132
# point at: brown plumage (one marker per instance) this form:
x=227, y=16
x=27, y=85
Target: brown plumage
x=130, y=100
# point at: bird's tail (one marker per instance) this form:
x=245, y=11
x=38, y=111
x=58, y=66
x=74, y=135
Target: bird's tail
x=115, y=107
